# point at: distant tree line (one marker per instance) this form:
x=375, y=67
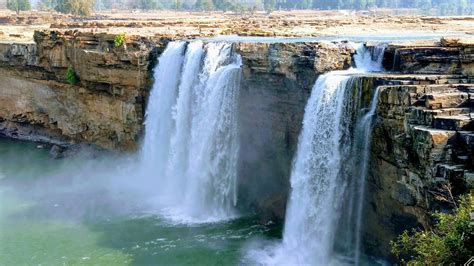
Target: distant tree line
x=433, y=7
x=85, y=7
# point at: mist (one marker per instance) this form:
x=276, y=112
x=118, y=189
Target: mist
x=75, y=187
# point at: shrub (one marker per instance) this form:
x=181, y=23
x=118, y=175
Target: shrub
x=18, y=5
x=450, y=241
x=119, y=40
x=75, y=7
x=71, y=76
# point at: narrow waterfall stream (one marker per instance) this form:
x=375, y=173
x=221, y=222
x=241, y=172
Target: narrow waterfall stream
x=327, y=179
x=363, y=138
x=191, y=140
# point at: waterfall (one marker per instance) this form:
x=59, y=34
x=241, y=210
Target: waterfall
x=158, y=120
x=317, y=188
x=363, y=136
x=328, y=174
x=369, y=60
x=191, y=144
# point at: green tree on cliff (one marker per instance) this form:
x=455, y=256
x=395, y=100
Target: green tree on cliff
x=75, y=7
x=18, y=5
x=451, y=241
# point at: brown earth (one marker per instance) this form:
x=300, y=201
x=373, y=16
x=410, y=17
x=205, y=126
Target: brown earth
x=200, y=24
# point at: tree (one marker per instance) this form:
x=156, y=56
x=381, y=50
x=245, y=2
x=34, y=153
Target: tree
x=462, y=7
x=450, y=242
x=360, y=4
x=257, y=5
x=75, y=7
x=269, y=5
x=305, y=4
x=424, y=5
x=18, y=5
x=370, y=3
x=205, y=5
x=152, y=4
x=45, y=5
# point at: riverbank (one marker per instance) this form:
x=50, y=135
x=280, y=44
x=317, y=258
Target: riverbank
x=302, y=23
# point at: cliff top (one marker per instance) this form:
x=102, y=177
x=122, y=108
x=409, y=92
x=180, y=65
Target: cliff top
x=306, y=23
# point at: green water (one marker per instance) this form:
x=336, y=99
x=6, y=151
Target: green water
x=77, y=211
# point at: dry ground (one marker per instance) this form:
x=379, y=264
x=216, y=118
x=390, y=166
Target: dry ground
x=192, y=24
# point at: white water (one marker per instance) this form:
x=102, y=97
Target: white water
x=318, y=183
x=191, y=141
x=313, y=209
x=364, y=133
x=158, y=119
x=367, y=61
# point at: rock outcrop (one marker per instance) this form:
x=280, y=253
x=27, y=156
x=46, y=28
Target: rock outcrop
x=450, y=56
x=105, y=106
x=422, y=153
x=277, y=81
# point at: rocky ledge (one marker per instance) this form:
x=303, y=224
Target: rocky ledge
x=422, y=152
x=422, y=155
x=101, y=105
x=106, y=105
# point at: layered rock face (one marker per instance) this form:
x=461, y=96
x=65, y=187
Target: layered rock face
x=422, y=145
x=422, y=139
x=277, y=81
x=104, y=108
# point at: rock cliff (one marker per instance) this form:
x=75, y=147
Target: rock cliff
x=277, y=81
x=422, y=153
x=422, y=150
x=104, y=107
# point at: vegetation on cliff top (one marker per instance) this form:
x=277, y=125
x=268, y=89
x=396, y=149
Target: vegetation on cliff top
x=18, y=5
x=75, y=7
x=431, y=7
x=450, y=241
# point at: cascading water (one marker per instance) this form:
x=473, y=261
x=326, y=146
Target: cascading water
x=158, y=121
x=191, y=139
x=363, y=139
x=369, y=61
x=317, y=191
x=321, y=183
